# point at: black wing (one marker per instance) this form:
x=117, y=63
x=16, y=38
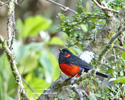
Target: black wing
x=83, y=64
x=77, y=61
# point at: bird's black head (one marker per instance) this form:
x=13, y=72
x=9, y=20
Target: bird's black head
x=64, y=53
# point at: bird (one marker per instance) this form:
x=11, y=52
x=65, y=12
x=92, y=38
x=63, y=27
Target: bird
x=72, y=65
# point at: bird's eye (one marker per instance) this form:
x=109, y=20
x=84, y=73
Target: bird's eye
x=67, y=55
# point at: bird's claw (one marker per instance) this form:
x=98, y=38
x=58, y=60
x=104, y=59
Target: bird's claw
x=68, y=79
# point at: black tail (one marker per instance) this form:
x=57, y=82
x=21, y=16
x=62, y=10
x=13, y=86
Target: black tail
x=101, y=74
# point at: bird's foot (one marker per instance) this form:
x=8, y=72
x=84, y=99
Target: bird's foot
x=68, y=79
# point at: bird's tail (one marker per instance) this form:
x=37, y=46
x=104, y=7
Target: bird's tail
x=102, y=74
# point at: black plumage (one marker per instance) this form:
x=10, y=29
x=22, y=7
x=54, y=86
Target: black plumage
x=72, y=59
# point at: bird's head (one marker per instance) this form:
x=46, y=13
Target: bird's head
x=64, y=53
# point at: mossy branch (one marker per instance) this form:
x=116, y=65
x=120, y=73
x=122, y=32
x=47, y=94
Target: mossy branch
x=8, y=48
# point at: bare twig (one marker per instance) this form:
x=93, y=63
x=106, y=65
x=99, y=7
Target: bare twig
x=117, y=93
x=104, y=8
x=119, y=47
x=30, y=87
x=4, y=3
x=64, y=8
x=77, y=91
x=21, y=92
x=86, y=94
x=107, y=47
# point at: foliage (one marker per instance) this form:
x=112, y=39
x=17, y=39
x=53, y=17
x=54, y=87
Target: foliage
x=81, y=28
x=35, y=60
x=32, y=26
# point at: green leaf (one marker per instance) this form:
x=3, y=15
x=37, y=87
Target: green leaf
x=23, y=50
x=28, y=63
x=55, y=65
x=19, y=26
x=92, y=96
x=119, y=79
x=33, y=25
x=84, y=27
x=56, y=41
x=38, y=85
x=6, y=78
x=88, y=7
x=44, y=60
x=123, y=53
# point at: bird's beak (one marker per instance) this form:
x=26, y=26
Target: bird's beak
x=60, y=50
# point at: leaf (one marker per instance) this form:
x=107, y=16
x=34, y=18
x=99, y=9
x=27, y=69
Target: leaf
x=84, y=27
x=119, y=79
x=33, y=25
x=123, y=53
x=6, y=78
x=28, y=63
x=55, y=65
x=88, y=7
x=44, y=60
x=44, y=36
x=23, y=50
x=38, y=85
x=92, y=96
x=56, y=41
x=19, y=26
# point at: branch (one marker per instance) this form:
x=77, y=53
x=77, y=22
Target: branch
x=77, y=91
x=10, y=55
x=104, y=8
x=64, y=8
x=111, y=27
x=56, y=87
x=86, y=94
x=21, y=94
x=4, y=3
x=119, y=47
x=108, y=46
x=11, y=23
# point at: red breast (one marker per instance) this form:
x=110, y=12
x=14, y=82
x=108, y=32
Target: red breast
x=70, y=70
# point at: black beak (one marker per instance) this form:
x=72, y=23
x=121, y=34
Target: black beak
x=60, y=50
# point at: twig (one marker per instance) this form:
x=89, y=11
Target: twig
x=117, y=93
x=26, y=62
x=21, y=91
x=77, y=91
x=30, y=87
x=4, y=3
x=119, y=47
x=106, y=48
x=64, y=8
x=104, y=8
x=86, y=94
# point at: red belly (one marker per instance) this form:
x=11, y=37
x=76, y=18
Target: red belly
x=71, y=70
